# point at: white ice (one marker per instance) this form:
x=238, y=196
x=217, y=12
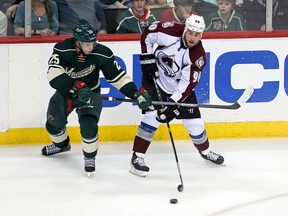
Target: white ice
x=253, y=181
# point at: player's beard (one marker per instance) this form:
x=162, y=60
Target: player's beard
x=191, y=43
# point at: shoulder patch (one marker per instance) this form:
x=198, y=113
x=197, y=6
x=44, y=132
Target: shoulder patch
x=167, y=24
x=153, y=26
x=200, y=62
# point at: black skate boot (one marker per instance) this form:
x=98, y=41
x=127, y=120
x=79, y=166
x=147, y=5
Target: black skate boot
x=213, y=157
x=138, y=166
x=53, y=149
x=89, y=165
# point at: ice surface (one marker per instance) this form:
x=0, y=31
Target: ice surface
x=253, y=181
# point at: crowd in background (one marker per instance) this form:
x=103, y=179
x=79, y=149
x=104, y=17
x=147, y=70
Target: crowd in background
x=53, y=17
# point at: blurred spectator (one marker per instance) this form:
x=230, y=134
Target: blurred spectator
x=3, y=24
x=72, y=12
x=115, y=4
x=255, y=14
x=11, y=11
x=180, y=12
x=225, y=18
x=6, y=8
x=135, y=19
x=44, y=18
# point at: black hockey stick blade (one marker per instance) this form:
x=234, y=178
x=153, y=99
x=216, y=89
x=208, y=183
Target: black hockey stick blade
x=242, y=100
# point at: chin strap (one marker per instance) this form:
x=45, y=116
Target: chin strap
x=81, y=54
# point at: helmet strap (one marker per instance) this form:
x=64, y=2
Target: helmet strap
x=183, y=38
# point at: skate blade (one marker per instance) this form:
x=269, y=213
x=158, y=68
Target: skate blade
x=137, y=172
x=210, y=162
x=89, y=174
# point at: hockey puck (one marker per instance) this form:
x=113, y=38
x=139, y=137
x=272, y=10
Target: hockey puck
x=173, y=201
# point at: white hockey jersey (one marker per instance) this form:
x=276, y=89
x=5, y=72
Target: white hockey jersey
x=179, y=68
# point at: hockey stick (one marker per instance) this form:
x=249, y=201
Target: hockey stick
x=242, y=100
x=180, y=187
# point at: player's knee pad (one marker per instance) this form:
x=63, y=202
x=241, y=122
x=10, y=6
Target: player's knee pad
x=150, y=119
x=88, y=126
x=194, y=126
x=52, y=129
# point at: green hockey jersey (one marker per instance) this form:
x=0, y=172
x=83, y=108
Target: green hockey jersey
x=214, y=22
x=66, y=66
x=128, y=22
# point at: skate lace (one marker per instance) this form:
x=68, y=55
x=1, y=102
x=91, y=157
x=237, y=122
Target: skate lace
x=140, y=161
x=212, y=156
x=52, y=149
x=89, y=162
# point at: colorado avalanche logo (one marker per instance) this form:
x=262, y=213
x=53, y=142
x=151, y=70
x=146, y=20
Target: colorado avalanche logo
x=165, y=63
x=200, y=62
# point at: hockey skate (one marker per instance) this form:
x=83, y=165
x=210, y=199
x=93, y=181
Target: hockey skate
x=213, y=157
x=89, y=165
x=138, y=166
x=53, y=149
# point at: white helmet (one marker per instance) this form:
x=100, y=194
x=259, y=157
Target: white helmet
x=195, y=23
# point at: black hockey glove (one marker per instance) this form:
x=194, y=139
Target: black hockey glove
x=143, y=100
x=168, y=113
x=149, y=66
x=82, y=91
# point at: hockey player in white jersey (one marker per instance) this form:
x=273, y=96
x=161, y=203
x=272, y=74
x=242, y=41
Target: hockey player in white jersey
x=172, y=55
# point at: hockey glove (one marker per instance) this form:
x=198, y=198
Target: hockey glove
x=168, y=113
x=144, y=101
x=82, y=91
x=149, y=66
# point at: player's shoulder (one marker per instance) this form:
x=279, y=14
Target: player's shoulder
x=102, y=51
x=170, y=24
x=65, y=45
x=197, y=55
x=167, y=27
x=198, y=49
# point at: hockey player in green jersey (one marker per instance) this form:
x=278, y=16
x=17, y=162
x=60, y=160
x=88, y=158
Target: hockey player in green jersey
x=73, y=70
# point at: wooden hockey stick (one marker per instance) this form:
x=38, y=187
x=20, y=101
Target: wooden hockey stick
x=242, y=100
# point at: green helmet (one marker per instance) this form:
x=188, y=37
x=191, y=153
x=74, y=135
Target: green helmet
x=83, y=32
